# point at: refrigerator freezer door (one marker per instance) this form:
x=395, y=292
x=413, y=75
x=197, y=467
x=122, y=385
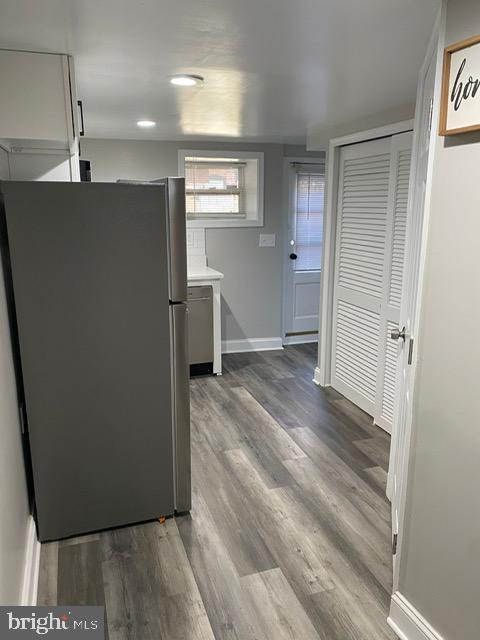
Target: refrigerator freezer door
x=177, y=223
x=91, y=293
x=182, y=407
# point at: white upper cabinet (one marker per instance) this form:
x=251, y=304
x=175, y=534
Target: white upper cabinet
x=37, y=91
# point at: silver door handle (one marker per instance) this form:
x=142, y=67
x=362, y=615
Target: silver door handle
x=396, y=334
x=197, y=299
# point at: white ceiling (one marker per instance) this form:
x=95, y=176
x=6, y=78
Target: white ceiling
x=272, y=68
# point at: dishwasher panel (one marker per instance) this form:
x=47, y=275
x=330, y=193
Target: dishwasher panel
x=200, y=329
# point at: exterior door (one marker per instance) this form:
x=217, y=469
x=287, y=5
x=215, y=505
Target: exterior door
x=304, y=249
x=372, y=208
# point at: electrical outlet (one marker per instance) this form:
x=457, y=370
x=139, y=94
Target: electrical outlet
x=266, y=240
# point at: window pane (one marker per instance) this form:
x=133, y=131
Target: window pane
x=309, y=221
x=214, y=187
x=212, y=203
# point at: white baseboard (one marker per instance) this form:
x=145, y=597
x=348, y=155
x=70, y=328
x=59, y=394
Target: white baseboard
x=32, y=566
x=316, y=377
x=305, y=339
x=252, y=344
x=407, y=622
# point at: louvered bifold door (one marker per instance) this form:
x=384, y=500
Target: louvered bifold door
x=362, y=223
x=401, y=155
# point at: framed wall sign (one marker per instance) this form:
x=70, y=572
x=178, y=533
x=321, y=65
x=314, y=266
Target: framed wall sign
x=460, y=108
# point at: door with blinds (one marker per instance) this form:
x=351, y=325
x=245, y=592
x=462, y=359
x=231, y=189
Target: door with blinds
x=304, y=251
x=370, y=243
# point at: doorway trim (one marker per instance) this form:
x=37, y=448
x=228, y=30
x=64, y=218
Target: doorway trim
x=322, y=375
x=287, y=204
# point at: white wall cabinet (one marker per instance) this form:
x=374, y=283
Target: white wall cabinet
x=35, y=102
x=38, y=115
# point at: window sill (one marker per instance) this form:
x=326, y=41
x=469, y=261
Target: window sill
x=222, y=223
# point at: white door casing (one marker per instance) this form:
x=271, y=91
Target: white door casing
x=301, y=288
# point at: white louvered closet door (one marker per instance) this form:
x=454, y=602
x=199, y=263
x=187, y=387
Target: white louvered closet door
x=363, y=194
x=368, y=272
x=400, y=162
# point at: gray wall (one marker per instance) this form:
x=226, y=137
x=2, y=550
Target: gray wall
x=440, y=563
x=14, y=510
x=252, y=288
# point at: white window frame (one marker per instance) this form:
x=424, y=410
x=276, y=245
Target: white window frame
x=254, y=217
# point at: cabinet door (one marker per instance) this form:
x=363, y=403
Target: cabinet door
x=35, y=102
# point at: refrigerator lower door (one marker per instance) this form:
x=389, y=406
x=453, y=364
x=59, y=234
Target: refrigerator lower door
x=183, y=491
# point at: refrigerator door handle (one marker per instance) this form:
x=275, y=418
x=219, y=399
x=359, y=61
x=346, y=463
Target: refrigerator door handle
x=177, y=233
x=183, y=491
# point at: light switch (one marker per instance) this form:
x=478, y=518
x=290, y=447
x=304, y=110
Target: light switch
x=266, y=240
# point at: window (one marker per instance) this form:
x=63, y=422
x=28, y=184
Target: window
x=223, y=188
x=215, y=187
x=309, y=202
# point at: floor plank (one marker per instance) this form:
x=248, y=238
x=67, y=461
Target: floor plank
x=277, y=612
x=289, y=533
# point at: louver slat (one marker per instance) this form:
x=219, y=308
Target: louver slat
x=399, y=229
x=363, y=223
x=357, y=348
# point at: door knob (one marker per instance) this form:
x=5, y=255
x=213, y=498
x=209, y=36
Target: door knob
x=293, y=256
x=396, y=334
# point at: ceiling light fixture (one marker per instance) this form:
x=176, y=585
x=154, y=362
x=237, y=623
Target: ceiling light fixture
x=185, y=80
x=146, y=123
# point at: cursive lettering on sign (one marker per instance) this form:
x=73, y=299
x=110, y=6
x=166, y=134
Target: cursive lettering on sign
x=463, y=89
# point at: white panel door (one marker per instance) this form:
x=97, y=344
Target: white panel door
x=362, y=223
x=409, y=311
x=400, y=162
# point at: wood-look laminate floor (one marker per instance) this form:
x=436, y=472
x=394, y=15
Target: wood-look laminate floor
x=289, y=535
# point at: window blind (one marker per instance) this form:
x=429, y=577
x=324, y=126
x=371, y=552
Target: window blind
x=214, y=188
x=309, y=221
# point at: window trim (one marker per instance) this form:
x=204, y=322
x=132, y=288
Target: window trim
x=253, y=218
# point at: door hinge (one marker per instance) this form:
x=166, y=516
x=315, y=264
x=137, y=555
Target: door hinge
x=410, y=351
x=430, y=117
x=22, y=419
x=394, y=544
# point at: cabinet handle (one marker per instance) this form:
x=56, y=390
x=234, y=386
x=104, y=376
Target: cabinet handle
x=80, y=104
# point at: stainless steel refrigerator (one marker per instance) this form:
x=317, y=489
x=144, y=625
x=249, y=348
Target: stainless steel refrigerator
x=97, y=282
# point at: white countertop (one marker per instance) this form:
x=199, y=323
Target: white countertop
x=203, y=273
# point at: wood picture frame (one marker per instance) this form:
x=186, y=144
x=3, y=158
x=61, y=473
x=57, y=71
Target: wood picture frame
x=462, y=89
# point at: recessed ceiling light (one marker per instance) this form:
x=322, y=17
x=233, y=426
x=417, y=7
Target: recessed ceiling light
x=146, y=123
x=185, y=79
